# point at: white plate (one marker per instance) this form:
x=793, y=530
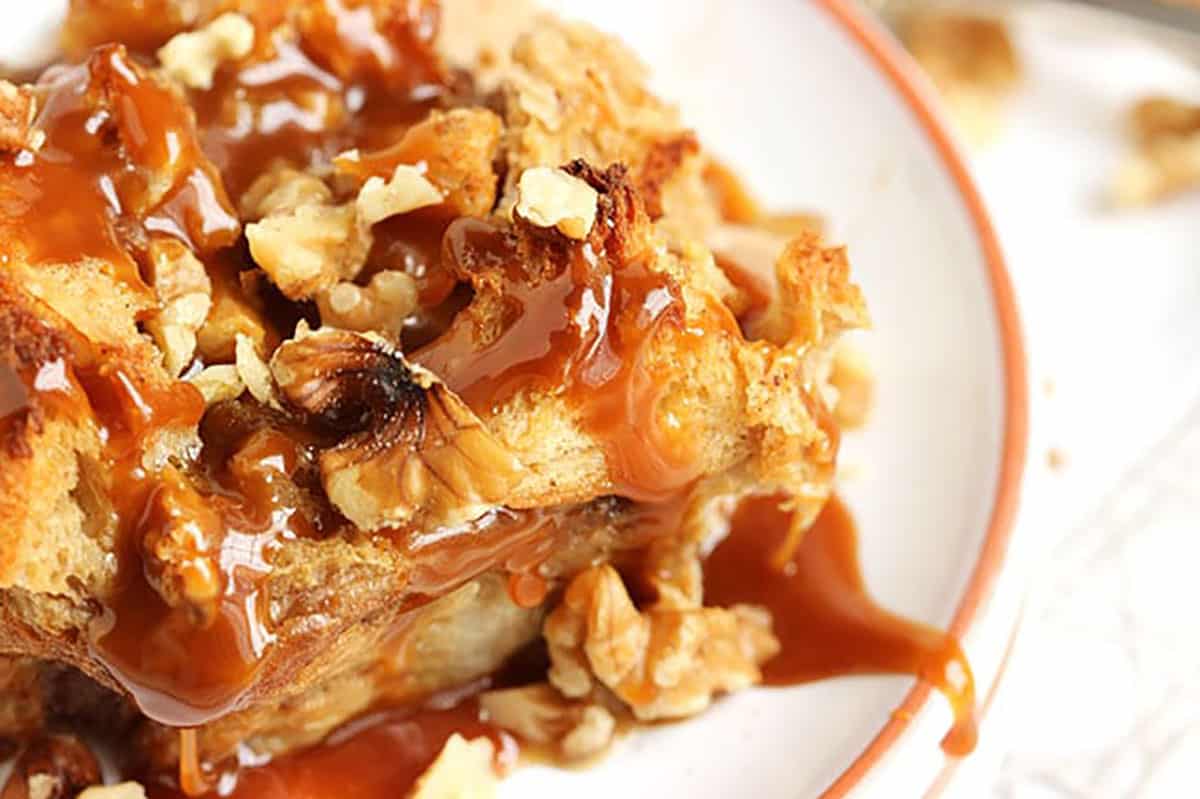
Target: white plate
x=817, y=112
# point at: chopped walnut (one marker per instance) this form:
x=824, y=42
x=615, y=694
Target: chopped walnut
x=552, y=198
x=306, y=245
x=17, y=111
x=310, y=248
x=539, y=714
x=851, y=376
x=218, y=383
x=193, y=58
x=663, y=663
x=181, y=548
x=254, y=372
x=281, y=190
x=972, y=62
x=382, y=305
x=407, y=190
x=231, y=316
x=185, y=298
x=464, y=770
x=1166, y=159
x=52, y=767
x=122, y=790
x=411, y=446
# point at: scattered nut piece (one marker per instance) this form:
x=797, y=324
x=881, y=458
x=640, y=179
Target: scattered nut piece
x=382, y=305
x=663, y=663
x=185, y=298
x=1166, y=161
x=851, y=376
x=180, y=550
x=281, y=190
x=254, y=372
x=464, y=770
x=309, y=248
x=539, y=714
x=411, y=446
x=407, y=190
x=192, y=58
x=218, y=383
x=123, y=790
x=551, y=198
x=17, y=111
x=972, y=62
x=1056, y=459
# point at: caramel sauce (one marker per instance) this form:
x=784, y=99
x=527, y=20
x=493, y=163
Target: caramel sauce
x=412, y=243
x=357, y=75
x=253, y=507
x=825, y=620
x=515, y=541
x=378, y=757
x=119, y=163
x=584, y=333
x=125, y=159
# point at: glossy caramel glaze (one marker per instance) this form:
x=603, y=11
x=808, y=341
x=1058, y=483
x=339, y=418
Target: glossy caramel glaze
x=581, y=332
x=120, y=163
x=825, y=620
x=126, y=159
x=378, y=757
x=348, y=74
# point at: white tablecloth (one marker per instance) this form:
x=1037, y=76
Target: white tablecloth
x=1102, y=696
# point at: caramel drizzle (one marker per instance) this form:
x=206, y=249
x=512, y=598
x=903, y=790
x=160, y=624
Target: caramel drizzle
x=583, y=333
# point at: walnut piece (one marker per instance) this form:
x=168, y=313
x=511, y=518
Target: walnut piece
x=182, y=546
x=310, y=248
x=972, y=62
x=382, y=305
x=218, y=383
x=192, y=58
x=254, y=372
x=185, y=299
x=280, y=190
x=407, y=190
x=306, y=244
x=541, y=715
x=662, y=662
x=411, y=446
x=552, y=198
x=1166, y=160
x=463, y=770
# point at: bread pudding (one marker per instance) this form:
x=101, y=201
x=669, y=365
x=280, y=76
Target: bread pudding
x=398, y=376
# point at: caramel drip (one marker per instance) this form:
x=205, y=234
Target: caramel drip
x=825, y=620
x=191, y=778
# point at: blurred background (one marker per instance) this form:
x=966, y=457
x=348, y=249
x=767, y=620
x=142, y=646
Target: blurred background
x=1083, y=130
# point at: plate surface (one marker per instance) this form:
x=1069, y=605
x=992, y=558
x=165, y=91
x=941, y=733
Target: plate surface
x=798, y=96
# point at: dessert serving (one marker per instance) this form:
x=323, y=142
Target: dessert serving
x=390, y=387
